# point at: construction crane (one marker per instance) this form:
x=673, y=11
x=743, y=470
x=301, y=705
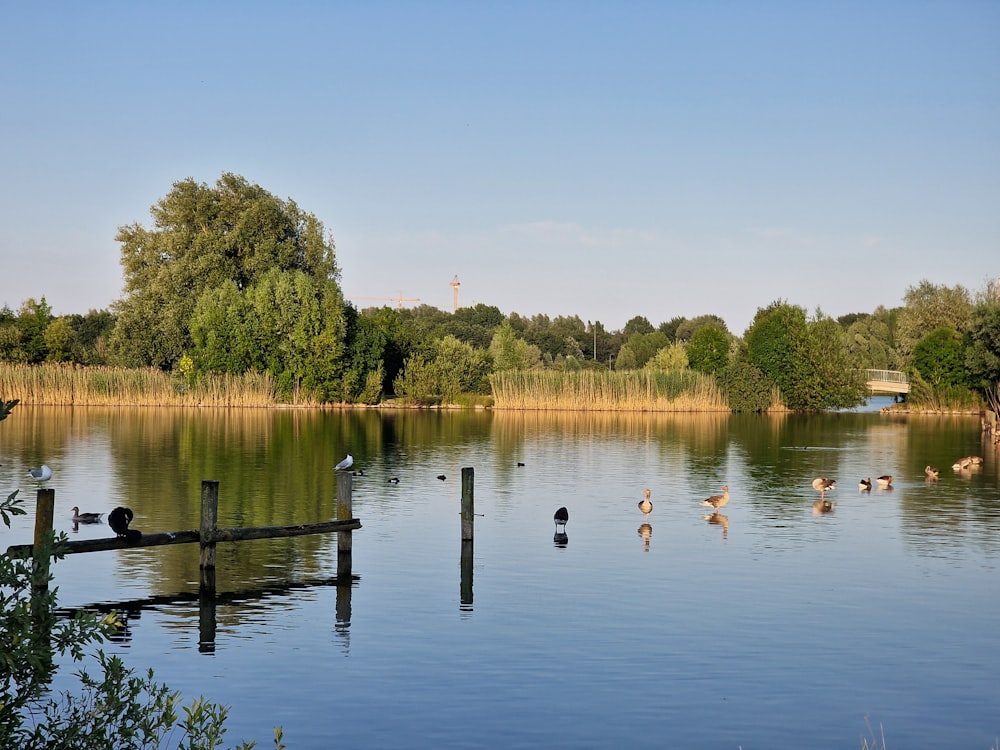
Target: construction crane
x=399, y=300
x=455, y=284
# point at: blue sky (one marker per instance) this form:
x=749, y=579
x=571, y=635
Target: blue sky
x=602, y=159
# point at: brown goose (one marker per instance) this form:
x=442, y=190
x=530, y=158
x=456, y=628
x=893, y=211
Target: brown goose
x=822, y=484
x=885, y=481
x=865, y=485
x=718, y=501
x=645, y=505
x=931, y=472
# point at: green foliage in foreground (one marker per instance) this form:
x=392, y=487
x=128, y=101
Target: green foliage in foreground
x=114, y=708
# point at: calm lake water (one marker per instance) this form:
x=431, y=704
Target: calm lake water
x=772, y=626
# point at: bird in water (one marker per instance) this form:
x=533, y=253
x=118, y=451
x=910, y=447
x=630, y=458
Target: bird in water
x=79, y=517
x=932, y=472
x=718, y=501
x=561, y=517
x=865, y=485
x=42, y=474
x=358, y=473
x=347, y=463
x=885, y=481
x=822, y=485
x=393, y=480
x=119, y=519
x=646, y=505
x=442, y=477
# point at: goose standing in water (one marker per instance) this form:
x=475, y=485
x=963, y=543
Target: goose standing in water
x=561, y=517
x=718, y=501
x=822, y=485
x=865, y=485
x=79, y=517
x=646, y=505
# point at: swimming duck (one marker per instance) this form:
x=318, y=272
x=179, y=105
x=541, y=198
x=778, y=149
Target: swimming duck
x=822, y=484
x=393, y=480
x=865, y=485
x=718, y=501
x=962, y=463
x=646, y=505
x=79, y=517
x=884, y=481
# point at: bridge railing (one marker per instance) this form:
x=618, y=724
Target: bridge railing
x=887, y=376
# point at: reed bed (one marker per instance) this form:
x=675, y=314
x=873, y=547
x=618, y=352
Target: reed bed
x=68, y=385
x=589, y=390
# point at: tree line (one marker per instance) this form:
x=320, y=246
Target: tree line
x=232, y=279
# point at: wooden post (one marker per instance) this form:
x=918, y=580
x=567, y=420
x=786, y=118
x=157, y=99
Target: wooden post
x=468, y=505
x=345, y=512
x=41, y=551
x=468, y=516
x=209, y=521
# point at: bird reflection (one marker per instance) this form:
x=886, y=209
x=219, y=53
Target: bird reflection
x=721, y=520
x=822, y=506
x=645, y=531
x=561, y=518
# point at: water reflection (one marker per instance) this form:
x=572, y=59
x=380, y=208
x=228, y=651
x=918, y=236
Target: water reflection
x=823, y=506
x=720, y=520
x=645, y=531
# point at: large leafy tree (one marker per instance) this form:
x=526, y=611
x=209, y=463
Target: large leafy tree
x=929, y=307
x=939, y=357
x=208, y=238
x=982, y=356
x=708, y=349
x=808, y=361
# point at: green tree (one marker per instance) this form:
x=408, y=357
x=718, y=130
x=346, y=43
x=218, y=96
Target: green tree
x=690, y=326
x=638, y=324
x=939, y=357
x=639, y=349
x=871, y=340
x=982, y=357
x=708, y=349
x=669, y=359
x=33, y=319
x=203, y=237
x=928, y=307
x=510, y=352
x=59, y=339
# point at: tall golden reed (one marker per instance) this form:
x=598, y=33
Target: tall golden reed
x=602, y=390
x=64, y=385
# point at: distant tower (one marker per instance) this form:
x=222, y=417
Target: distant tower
x=455, y=284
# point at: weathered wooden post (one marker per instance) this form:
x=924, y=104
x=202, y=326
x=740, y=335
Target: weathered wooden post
x=468, y=505
x=468, y=516
x=44, y=512
x=207, y=534
x=345, y=512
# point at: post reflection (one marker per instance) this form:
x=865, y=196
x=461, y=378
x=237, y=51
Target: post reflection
x=561, y=539
x=465, y=587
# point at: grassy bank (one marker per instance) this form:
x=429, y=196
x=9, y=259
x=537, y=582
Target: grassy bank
x=636, y=390
x=66, y=385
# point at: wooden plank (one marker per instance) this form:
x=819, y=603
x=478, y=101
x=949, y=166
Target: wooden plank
x=189, y=537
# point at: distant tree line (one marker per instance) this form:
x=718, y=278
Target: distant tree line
x=231, y=279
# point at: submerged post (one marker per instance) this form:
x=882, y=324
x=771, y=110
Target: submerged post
x=468, y=505
x=209, y=521
x=345, y=512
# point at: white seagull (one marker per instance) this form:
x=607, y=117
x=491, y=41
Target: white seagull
x=41, y=474
x=347, y=463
